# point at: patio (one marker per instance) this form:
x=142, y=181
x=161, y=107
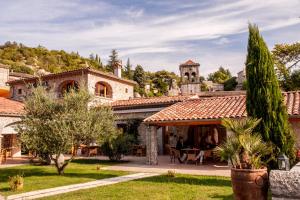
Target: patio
x=138, y=164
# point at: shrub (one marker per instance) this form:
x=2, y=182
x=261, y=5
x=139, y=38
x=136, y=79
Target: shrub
x=16, y=182
x=171, y=173
x=244, y=149
x=117, y=147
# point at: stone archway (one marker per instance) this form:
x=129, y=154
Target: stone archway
x=67, y=86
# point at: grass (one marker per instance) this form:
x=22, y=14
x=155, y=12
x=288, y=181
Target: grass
x=42, y=177
x=181, y=187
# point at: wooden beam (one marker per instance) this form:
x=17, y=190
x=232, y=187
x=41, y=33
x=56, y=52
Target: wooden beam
x=187, y=123
x=296, y=119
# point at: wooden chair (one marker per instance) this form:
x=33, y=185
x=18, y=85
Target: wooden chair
x=3, y=156
x=139, y=151
x=174, y=154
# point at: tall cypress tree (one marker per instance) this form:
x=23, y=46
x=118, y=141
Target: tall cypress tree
x=264, y=97
x=113, y=60
x=128, y=71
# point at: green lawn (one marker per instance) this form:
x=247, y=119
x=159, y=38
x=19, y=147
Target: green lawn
x=182, y=187
x=41, y=177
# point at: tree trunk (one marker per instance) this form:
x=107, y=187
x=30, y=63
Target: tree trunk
x=59, y=166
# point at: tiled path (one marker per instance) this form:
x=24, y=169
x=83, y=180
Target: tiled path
x=69, y=188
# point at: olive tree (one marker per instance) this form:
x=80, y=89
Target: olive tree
x=53, y=126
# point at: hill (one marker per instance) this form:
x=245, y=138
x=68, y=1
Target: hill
x=21, y=58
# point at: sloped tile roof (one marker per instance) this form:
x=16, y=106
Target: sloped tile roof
x=72, y=72
x=189, y=62
x=217, y=108
x=10, y=107
x=149, y=101
x=292, y=100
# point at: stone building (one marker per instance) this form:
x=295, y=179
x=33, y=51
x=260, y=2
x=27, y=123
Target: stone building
x=105, y=87
x=213, y=87
x=7, y=75
x=190, y=80
x=241, y=78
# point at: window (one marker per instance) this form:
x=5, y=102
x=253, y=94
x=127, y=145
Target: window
x=103, y=89
x=193, y=77
x=67, y=86
x=126, y=90
x=20, y=91
x=187, y=76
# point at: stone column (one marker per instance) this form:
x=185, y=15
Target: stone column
x=151, y=142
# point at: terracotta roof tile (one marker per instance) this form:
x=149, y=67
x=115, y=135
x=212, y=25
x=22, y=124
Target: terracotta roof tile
x=217, y=108
x=189, y=62
x=148, y=101
x=10, y=107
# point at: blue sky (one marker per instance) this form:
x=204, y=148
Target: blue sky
x=156, y=34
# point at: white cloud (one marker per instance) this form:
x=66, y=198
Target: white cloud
x=222, y=41
x=150, y=37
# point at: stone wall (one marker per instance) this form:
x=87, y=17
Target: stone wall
x=120, y=91
x=190, y=88
x=53, y=84
x=285, y=185
x=4, y=72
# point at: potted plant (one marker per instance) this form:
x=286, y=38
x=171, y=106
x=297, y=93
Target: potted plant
x=244, y=150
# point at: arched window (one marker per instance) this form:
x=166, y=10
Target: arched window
x=67, y=86
x=103, y=89
x=193, y=77
x=187, y=76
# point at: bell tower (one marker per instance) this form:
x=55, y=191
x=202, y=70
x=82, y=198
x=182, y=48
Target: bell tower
x=190, y=81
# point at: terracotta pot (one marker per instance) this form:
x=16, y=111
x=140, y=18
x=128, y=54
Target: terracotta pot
x=250, y=184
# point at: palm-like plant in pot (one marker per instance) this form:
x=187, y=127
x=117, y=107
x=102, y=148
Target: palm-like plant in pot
x=246, y=151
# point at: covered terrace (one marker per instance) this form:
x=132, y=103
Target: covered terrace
x=198, y=122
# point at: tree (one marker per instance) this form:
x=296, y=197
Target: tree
x=295, y=79
x=287, y=58
x=264, y=97
x=161, y=80
x=53, y=127
x=128, y=71
x=113, y=60
x=219, y=76
x=230, y=84
x=140, y=78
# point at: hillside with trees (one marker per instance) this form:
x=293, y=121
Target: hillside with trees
x=21, y=58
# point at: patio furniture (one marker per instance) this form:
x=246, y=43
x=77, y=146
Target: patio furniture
x=139, y=150
x=191, y=154
x=174, y=154
x=3, y=156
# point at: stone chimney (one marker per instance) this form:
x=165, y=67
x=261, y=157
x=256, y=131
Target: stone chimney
x=118, y=69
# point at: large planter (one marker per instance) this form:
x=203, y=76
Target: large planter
x=250, y=184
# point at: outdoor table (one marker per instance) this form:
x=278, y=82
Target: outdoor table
x=190, y=150
x=191, y=154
